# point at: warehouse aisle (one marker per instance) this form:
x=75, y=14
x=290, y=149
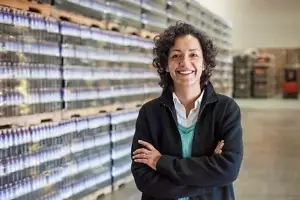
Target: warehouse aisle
x=271, y=164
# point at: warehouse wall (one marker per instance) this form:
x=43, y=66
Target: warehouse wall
x=260, y=24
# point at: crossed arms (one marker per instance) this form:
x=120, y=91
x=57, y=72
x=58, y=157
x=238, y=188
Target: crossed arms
x=172, y=177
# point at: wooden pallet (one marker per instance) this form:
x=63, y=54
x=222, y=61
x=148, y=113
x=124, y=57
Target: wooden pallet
x=127, y=30
x=29, y=6
x=85, y=112
x=77, y=18
x=98, y=194
x=112, y=26
x=127, y=105
x=125, y=111
x=131, y=31
x=116, y=107
x=122, y=182
x=148, y=34
x=27, y=120
x=37, y=1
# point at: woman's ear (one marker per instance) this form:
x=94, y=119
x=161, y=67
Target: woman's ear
x=167, y=69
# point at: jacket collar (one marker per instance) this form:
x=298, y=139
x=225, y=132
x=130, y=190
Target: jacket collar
x=209, y=96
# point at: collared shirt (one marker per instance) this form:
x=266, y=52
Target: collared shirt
x=186, y=126
x=181, y=111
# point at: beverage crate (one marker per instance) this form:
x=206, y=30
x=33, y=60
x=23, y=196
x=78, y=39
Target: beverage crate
x=243, y=61
x=242, y=74
x=242, y=89
x=263, y=74
x=263, y=89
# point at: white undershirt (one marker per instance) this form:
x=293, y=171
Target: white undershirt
x=181, y=111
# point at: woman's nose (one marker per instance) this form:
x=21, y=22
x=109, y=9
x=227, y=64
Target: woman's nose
x=185, y=61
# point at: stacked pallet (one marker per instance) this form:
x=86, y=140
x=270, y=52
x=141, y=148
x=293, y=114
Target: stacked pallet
x=122, y=131
x=59, y=73
x=62, y=67
x=264, y=76
x=61, y=160
x=242, y=73
x=31, y=81
x=155, y=16
x=221, y=32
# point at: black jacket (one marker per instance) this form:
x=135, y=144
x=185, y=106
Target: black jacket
x=204, y=176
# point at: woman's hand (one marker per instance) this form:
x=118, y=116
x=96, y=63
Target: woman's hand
x=148, y=155
x=219, y=148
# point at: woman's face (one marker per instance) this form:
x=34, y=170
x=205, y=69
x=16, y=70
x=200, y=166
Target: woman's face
x=185, y=62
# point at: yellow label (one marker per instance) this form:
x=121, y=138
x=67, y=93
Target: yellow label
x=21, y=56
x=34, y=147
x=24, y=108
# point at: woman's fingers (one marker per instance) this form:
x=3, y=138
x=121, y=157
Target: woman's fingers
x=146, y=144
x=219, y=147
x=141, y=151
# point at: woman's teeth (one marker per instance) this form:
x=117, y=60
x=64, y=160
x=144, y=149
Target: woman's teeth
x=185, y=72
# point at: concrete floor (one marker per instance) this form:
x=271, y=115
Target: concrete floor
x=271, y=166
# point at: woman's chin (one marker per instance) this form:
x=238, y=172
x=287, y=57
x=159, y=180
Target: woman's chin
x=187, y=83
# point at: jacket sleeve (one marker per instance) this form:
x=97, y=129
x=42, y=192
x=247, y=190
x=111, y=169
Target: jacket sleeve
x=216, y=170
x=149, y=181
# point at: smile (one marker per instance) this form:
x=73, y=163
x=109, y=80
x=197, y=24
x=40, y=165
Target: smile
x=185, y=72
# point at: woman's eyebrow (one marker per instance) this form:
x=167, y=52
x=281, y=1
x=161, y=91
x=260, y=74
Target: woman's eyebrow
x=194, y=50
x=175, y=50
x=189, y=50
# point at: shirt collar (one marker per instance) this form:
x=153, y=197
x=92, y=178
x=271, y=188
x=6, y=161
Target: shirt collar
x=196, y=104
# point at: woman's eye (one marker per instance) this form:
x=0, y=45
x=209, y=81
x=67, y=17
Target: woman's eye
x=194, y=55
x=174, y=56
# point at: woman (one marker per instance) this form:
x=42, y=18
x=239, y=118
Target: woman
x=188, y=142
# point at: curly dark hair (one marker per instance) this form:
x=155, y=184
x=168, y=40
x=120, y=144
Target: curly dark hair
x=165, y=41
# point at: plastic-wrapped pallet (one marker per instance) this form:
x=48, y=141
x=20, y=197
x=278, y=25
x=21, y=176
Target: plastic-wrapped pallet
x=90, y=159
x=64, y=159
x=122, y=131
x=154, y=16
x=91, y=8
x=30, y=63
x=125, y=12
x=177, y=11
x=242, y=73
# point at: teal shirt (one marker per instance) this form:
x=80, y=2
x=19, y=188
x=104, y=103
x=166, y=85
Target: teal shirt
x=186, y=135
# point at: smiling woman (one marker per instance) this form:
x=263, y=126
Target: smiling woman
x=172, y=41
x=185, y=62
x=188, y=142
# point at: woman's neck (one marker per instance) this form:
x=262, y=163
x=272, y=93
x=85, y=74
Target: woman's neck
x=187, y=96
